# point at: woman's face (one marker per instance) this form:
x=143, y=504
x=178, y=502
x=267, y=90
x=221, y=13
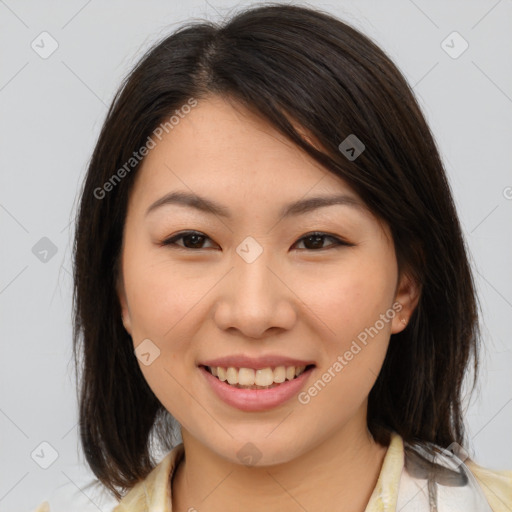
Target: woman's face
x=254, y=284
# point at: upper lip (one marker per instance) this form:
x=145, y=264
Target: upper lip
x=257, y=363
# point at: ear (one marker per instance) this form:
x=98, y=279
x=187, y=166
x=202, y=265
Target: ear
x=407, y=297
x=125, y=312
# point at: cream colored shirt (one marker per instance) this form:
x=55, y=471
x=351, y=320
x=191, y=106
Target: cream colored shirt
x=153, y=494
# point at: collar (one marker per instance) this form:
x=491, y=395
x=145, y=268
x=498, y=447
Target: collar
x=153, y=494
x=402, y=484
x=385, y=493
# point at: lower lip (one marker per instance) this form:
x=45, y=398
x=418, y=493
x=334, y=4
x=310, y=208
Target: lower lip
x=255, y=400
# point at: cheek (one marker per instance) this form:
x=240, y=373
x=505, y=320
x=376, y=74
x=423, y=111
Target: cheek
x=355, y=343
x=350, y=303
x=348, y=297
x=163, y=303
x=161, y=296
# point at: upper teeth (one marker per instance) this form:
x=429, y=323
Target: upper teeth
x=262, y=377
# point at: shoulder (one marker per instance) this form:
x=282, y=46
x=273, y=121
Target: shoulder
x=151, y=494
x=44, y=507
x=496, y=485
x=154, y=492
x=80, y=493
x=460, y=480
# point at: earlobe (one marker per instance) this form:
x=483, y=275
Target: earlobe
x=407, y=295
x=126, y=319
x=125, y=312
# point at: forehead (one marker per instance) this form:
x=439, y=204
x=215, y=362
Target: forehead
x=220, y=149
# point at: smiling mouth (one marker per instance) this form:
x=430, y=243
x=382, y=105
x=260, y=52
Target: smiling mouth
x=267, y=378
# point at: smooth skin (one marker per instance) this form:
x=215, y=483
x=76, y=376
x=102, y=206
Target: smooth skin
x=199, y=299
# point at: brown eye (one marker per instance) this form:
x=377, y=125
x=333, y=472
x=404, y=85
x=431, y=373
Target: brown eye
x=195, y=240
x=191, y=240
x=315, y=241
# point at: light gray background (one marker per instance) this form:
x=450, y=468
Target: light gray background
x=52, y=110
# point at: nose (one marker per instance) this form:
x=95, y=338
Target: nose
x=255, y=298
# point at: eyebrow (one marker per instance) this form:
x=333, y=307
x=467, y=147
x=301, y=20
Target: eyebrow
x=299, y=207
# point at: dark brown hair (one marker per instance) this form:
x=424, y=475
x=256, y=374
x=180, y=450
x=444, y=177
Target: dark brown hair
x=285, y=63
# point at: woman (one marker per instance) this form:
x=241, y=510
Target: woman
x=269, y=266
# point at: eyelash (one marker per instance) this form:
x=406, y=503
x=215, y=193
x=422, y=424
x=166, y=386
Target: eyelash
x=338, y=241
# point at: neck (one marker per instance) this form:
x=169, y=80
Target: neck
x=340, y=473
